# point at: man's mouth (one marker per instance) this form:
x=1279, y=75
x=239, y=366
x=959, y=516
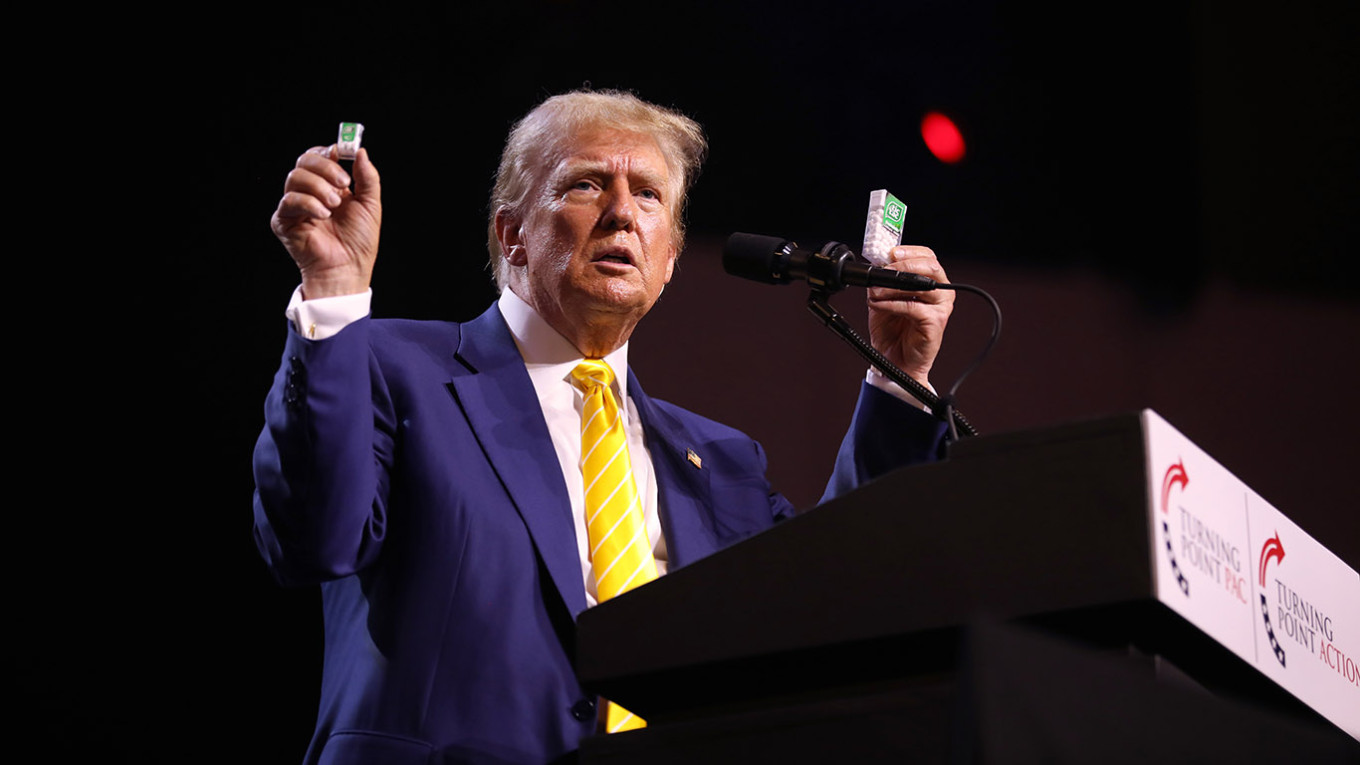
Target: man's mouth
x=620, y=256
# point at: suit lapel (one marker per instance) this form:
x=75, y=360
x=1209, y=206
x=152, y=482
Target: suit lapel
x=502, y=409
x=684, y=496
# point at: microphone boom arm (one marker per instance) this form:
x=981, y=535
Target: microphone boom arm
x=941, y=408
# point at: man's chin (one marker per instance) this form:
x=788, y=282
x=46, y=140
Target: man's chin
x=620, y=296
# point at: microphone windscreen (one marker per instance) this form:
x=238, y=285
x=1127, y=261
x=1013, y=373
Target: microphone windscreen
x=754, y=256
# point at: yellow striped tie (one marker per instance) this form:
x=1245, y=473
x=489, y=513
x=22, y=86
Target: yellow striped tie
x=620, y=552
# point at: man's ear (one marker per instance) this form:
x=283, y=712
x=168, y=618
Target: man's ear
x=510, y=235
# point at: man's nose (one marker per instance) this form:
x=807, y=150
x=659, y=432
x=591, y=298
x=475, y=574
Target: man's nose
x=620, y=211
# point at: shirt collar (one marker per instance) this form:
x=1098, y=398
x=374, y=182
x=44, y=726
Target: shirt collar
x=545, y=350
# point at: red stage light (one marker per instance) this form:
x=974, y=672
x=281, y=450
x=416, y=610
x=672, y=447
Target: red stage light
x=942, y=137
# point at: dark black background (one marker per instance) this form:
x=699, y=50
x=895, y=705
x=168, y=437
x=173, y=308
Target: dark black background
x=1184, y=173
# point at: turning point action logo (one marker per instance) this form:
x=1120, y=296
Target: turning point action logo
x=1298, y=619
x=1272, y=550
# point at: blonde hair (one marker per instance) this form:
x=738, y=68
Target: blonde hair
x=532, y=142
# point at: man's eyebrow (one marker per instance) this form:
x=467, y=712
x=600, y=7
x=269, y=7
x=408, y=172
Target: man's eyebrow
x=575, y=166
x=572, y=168
x=652, y=177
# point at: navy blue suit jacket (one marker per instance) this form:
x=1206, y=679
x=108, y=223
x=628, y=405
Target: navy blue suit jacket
x=407, y=468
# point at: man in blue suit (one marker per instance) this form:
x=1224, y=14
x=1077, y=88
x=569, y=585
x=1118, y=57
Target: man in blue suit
x=429, y=475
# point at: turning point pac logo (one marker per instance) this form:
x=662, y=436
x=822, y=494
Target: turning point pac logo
x=1199, y=547
x=1174, y=475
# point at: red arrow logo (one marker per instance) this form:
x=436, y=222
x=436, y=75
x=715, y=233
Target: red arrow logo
x=1273, y=548
x=1174, y=475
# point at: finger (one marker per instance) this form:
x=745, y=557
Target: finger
x=321, y=161
x=367, y=184
x=297, y=205
x=917, y=260
x=925, y=267
x=331, y=152
x=898, y=301
x=302, y=181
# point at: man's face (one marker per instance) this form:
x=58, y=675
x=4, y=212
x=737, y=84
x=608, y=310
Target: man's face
x=596, y=237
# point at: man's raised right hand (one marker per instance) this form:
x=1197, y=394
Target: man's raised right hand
x=330, y=230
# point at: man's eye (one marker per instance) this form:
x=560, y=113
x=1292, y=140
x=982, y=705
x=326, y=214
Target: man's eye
x=649, y=194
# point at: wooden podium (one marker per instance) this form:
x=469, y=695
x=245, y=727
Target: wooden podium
x=1016, y=602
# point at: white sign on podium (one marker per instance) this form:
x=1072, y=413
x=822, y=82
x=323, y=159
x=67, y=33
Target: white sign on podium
x=1238, y=569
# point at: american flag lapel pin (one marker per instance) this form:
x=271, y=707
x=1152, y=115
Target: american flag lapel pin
x=694, y=459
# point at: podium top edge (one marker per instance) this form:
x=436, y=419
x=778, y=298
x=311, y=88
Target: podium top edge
x=1131, y=423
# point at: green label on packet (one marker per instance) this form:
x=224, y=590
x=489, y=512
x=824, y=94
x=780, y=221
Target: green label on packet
x=347, y=131
x=894, y=214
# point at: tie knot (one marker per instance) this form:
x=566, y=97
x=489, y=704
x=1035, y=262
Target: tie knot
x=592, y=372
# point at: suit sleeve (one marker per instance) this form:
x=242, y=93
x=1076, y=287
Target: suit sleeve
x=322, y=462
x=885, y=434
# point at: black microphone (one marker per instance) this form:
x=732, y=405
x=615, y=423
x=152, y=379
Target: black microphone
x=775, y=260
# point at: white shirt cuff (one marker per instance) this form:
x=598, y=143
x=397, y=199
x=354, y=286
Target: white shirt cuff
x=878, y=380
x=323, y=317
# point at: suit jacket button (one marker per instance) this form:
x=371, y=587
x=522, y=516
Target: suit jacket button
x=583, y=710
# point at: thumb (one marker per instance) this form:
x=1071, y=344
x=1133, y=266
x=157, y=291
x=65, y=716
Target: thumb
x=367, y=184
